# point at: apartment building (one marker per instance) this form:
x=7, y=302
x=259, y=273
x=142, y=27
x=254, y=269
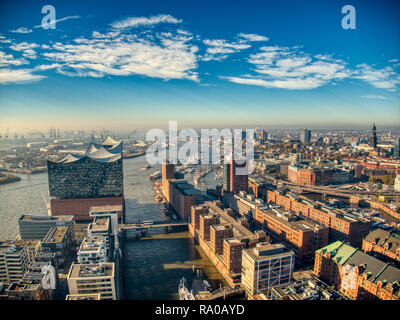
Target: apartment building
x=58, y=240
x=93, y=279
x=101, y=227
x=13, y=262
x=93, y=250
x=265, y=266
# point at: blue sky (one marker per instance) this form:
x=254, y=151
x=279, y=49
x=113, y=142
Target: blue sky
x=138, y=64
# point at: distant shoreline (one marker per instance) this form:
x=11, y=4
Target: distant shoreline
x=9, y=179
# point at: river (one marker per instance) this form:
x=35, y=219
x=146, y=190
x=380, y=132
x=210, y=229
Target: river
x=153, y=265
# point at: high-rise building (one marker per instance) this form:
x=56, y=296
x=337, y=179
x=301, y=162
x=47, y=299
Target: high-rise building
x=227, y=178
x=373, y=139
x=167, y=174
x=238, y=182
x=305, y=135
x=264, y=135
x=396, y=149
x=79, y=181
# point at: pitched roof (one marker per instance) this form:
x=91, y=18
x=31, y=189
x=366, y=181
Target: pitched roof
x=378, y=235
x=339, y=251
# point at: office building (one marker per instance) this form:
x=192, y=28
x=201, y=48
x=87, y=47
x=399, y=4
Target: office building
x=265, y=266
x=305, y=135
x=302, y=236
x=37, y=227
x=342, y=224
x=396, y=148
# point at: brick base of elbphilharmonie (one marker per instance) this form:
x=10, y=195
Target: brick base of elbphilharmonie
x=79, y=208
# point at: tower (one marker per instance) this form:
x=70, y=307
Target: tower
x=373, y=140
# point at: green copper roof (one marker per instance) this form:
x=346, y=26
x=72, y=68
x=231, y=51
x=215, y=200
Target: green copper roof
x=339, y=251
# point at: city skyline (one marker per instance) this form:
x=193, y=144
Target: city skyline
x=216, y=65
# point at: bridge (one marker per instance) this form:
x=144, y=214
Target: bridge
x=154, y=224
x=222, y=292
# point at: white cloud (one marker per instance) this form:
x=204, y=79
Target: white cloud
x=289, y=68
x=252, y=37
x=218, y=49
x=385, y=78
x=133, y=22
x=22, y=30
x=18, y=76
x=8, y=59
x=22, y=46
x=374, y=96
x=170, y=57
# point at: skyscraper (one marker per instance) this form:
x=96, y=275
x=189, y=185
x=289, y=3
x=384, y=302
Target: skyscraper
x=396, y=150
x=305, y=135
x=227, y=177
x=373, y=140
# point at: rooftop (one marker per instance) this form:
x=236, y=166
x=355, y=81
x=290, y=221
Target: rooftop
x=106, y=209
x=100, y=224
x=91, y=270
x=94, y=296
x=268, y=251
x=55, y=235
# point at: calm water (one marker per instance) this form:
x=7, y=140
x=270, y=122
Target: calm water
x=153, y=265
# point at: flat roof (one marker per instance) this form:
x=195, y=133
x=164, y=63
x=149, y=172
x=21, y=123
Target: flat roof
x=99, y=209
x=294, y=221
x=45, y=218
x=93, y=296
x=99, y=224
x=264, y=251
x=84, y=271
x=225, y=218
x=56, y=235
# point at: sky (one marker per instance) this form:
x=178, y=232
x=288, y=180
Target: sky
x=241, y=63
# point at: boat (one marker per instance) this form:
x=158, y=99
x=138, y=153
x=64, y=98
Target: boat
x=156, y=175
x=183, y=290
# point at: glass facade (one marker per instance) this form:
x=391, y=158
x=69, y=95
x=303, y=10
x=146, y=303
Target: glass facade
x=85, y=178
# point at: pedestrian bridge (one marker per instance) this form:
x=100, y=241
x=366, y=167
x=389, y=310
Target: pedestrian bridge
x=154, y=224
